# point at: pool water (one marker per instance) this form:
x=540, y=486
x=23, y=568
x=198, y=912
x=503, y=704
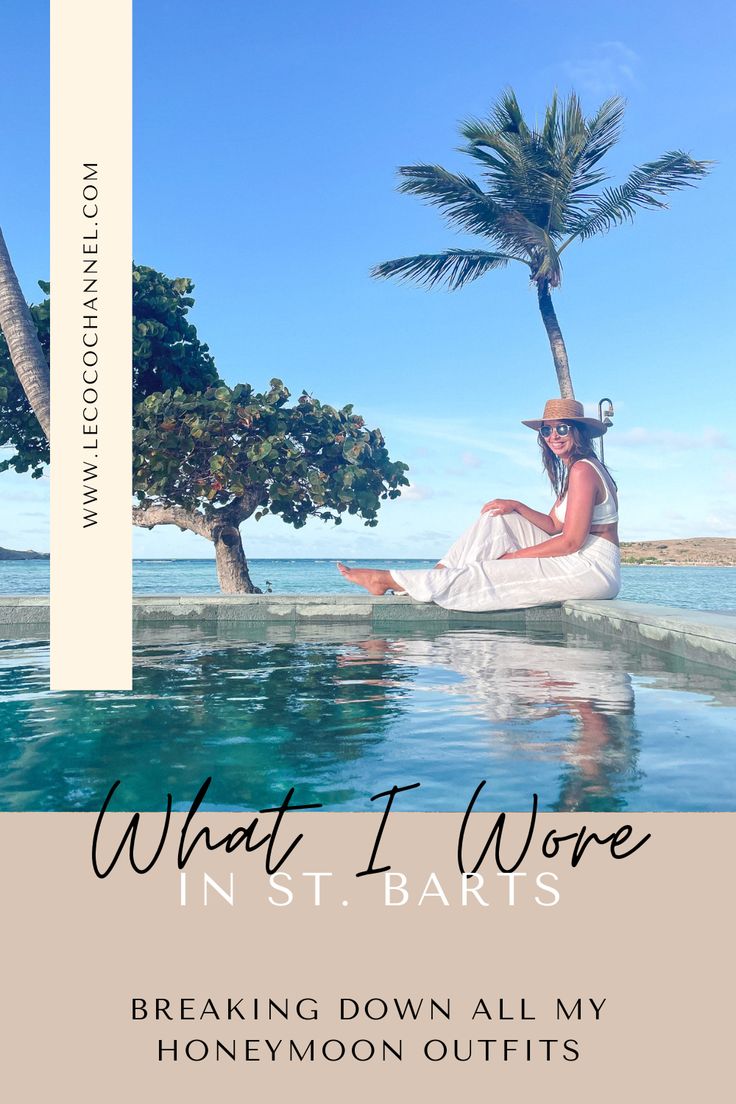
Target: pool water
x=586, y=723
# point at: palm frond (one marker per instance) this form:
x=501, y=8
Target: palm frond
x=520, y=176
x=603, y=130
x=670, y=172
x=551, y=128
x=520, y=163
x=482, y=136
x=538, y=245
x=583, y=143
x=508, y=161
x=573, y=126
x=459, y=198
x=546, y=173
x=507, y=115
x=540, y=189
x=454, y=267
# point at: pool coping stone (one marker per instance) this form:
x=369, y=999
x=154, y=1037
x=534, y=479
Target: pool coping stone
x=699, y=635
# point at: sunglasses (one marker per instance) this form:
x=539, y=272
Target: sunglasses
x=562, y=430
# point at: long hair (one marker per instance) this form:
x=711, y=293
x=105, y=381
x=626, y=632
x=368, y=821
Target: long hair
x=557, y=470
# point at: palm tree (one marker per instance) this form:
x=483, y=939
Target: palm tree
x=539, y=198
x=24, y=347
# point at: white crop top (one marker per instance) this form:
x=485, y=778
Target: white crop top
x=605, y=512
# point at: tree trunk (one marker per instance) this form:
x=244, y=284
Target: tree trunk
x=556, y=340
x=232, y=566
x=24, y=347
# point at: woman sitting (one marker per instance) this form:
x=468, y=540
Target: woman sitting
x=513, y=556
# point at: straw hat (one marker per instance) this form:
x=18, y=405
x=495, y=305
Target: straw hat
x=568, y=410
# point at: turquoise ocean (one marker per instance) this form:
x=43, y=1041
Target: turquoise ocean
x=708, y=588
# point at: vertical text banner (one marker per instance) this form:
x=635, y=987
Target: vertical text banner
x=91, y=375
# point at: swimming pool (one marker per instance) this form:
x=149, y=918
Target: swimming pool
x=341, y=714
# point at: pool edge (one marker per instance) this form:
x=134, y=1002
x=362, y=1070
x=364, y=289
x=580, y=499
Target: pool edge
x=697, y=635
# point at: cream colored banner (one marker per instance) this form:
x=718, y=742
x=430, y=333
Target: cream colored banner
x=611, y=980
x=91, y=387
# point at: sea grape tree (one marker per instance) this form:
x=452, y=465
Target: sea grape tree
x=208, y=461
x=166, y=353
x=206, y=457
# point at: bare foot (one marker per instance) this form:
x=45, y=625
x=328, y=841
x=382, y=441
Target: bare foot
x=374, y=581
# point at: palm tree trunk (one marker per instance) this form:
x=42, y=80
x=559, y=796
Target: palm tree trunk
x=556, y=340
x=23, y=344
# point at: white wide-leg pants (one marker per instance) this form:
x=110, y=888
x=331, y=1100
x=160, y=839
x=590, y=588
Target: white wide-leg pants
x=475, y=579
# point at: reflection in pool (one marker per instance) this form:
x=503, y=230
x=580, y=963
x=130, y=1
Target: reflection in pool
x=586, y=723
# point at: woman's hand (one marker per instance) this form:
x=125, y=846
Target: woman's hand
x=498, y=506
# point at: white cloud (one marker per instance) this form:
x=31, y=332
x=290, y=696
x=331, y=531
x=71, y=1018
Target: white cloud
x=609, y=67
x=518, y=447
x=432, y=536
x=721, y=523
x=672, y=439
x=414, y=493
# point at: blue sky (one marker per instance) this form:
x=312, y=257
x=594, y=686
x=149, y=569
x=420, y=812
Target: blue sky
x=266, y=142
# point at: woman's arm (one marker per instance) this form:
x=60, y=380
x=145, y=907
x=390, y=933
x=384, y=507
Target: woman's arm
x=581, y=496
x=545, y=522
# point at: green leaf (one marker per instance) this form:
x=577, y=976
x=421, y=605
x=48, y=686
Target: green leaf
x=259, y=451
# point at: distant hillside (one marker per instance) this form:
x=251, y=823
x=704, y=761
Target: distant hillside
x=699, y=551
x=11, y=554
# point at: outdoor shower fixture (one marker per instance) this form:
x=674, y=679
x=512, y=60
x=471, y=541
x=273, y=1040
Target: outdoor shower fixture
x=605, y=416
